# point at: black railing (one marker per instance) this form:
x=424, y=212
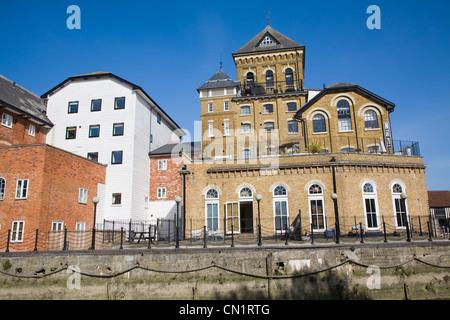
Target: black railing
x=250, y=88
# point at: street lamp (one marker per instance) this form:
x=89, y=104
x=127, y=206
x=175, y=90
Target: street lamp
x=334, y=196
x=258, y=198
x=95, y=201
x=404, y=196
x=178, y=200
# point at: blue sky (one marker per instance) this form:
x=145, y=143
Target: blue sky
x=170, y=48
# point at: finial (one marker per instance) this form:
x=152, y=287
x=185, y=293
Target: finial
x=268, y=18
x=221, y=63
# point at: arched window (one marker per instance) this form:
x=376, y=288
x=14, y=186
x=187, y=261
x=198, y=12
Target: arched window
x=2, y=188
x=245, y=193
x=212, y=210
x=344, y=118
x=269, y=79
x=250, y=78
x=370, y=206
x=400, y=207
x=319, y=124
x=280, y=207
x=289, y=75
x=371, y=119
x=316, y=207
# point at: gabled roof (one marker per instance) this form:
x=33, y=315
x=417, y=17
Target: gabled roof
x=344, y=87
x=219, y=80
x=192, y=148
x=439, y=199
x=101, y=74
x=23, y=102
x=279, y=42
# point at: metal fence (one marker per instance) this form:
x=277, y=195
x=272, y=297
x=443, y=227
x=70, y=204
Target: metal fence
x=162, y=233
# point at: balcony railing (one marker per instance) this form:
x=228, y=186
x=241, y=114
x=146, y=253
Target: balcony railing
x=270, y=87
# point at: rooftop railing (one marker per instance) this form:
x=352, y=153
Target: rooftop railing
x=270, y=87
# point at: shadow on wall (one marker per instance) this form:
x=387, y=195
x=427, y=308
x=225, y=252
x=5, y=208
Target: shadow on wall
x=329, y=285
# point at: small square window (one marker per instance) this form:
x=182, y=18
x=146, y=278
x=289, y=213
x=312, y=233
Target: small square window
x=73, y=107
x=116, y=157
x=7, y=120
x=245, y=110
x=93, y=156
x=96, y=105
x=94, y=131
x=116, y=198
x=292, y=106
x=119, y=103
x=71, y=133
x=118, y=129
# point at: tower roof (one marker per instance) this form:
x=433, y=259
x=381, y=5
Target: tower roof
x=219, y=80
x=268, y=40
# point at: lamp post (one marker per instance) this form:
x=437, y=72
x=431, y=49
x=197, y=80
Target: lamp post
x=258, y=198
x=178, y=200
x=336, y=215
x=95, y=201
x=403, y=197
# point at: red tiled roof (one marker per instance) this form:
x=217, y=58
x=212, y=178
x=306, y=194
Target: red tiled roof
x=439, y=199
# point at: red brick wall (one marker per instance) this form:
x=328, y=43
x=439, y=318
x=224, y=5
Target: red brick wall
x=169, y=179
x=18, y=134
x=55, y=177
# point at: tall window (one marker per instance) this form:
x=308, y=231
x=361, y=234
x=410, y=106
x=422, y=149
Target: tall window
x=226, y=106
x=161, y=193
x=316, y=207
x=22, y=189
x=370, y=119
x=319, y=124
x=226, y=127
x=399, y=206
x=212, y=210
x=17, y=231
x=210, y=129
x=269, y=79
x=31, y=130
x=250, y=78
x=289, y=74
x=344, y=118
x=370, y=206
x=162, y=165
x=280, y=204
x=246, y=153
x=82, y=195
x=210, y=107
x=2, y=188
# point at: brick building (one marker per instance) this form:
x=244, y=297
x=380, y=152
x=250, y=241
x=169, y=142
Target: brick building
x=41, y=187
x=266, y=134
x=439, y=203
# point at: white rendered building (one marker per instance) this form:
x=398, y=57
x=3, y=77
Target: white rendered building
x=115, y=122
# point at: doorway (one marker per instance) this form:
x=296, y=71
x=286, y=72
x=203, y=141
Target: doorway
x=246, y=216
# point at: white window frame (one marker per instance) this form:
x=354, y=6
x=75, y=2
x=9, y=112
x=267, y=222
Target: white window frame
x=317, y=197
x=210, y=107
x=212, y=202
x=280, y=199
x=161, y=193
x=398, y=197
x=367, y=195
x=248, y=127
x=7, y=120
x=17, y=231
x=162, y=165
x=226, y=127
x=245, y=108
x=82, y=195
x=32, y=130
x=21, y=190
x=226, y=105
x=57, y=226
x=211, y=129
x=2, y=188
x=246, y=153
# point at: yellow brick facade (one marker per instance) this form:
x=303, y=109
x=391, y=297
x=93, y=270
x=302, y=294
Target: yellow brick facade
x=290, y=161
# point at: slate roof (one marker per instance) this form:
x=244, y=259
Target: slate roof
x=281, y=42
x=439, y=199
x=343, y=87
x=23, y=102
x=193, y=148
x=219, y=80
